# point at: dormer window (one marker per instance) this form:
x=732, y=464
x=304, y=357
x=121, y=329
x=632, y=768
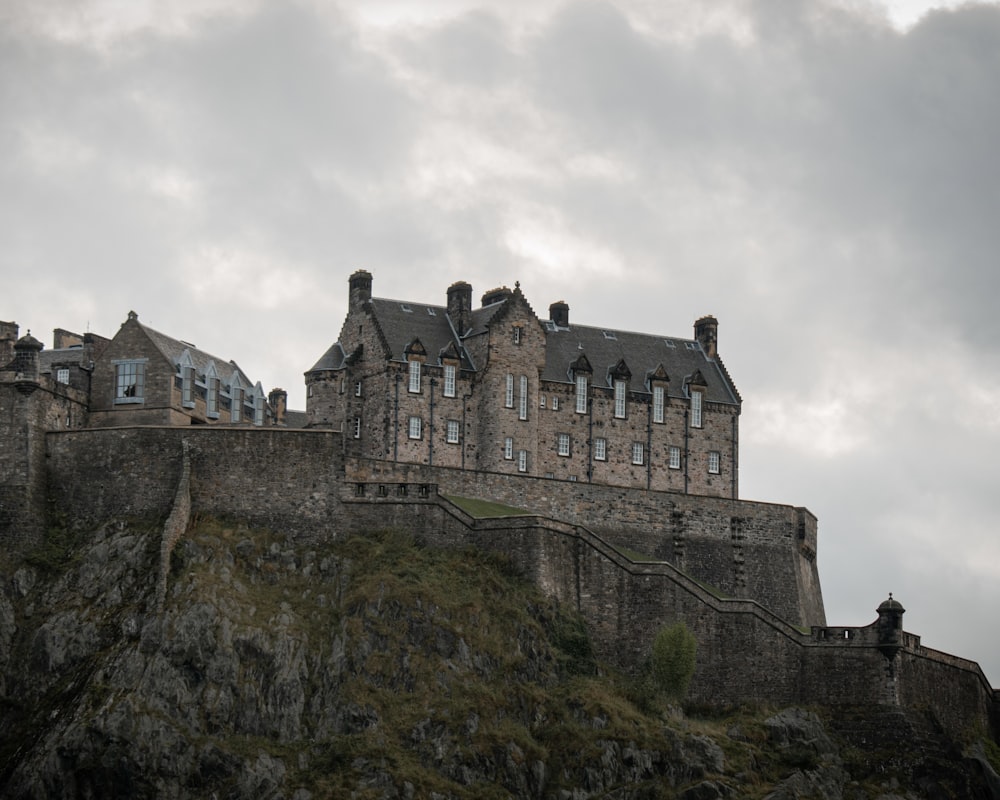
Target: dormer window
x=236, y=403
x=581, y=394
x=619, y=398
x=658, y=403
x=212, y=397
x=130, y=379
x=449, y=380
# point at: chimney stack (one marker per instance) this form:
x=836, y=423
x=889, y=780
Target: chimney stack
x=360, y=284
x=460, y=306
x=559, y=314
x=278, y=400
x=706, y=331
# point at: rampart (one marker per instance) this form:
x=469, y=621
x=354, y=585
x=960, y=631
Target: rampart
x=298, y=482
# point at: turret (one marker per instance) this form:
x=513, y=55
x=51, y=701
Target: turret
x=890, y=627
x=360, y=284
x=706, y=331
x=460, y=306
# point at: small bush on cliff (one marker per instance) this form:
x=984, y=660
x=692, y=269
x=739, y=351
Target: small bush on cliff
x=671, y=663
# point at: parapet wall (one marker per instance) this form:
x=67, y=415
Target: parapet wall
x=762, y=551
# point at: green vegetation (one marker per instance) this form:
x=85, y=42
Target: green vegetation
x=672, y=660
x=481, y=509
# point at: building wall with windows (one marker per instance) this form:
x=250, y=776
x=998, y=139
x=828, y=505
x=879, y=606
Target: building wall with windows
x=538, y=397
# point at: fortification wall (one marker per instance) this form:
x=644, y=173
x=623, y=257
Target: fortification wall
x=762, y=551
x=269, y=477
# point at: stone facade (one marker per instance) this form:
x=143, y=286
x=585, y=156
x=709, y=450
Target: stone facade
x=497, y=389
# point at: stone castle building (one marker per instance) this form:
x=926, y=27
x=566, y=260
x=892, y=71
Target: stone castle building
x=497, y=389
x=620, y=449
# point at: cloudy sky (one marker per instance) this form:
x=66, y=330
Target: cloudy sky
x=822, y=176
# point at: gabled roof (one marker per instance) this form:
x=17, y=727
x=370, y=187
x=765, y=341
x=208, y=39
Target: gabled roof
x=173, y=350
x=643, y=354
x=333, y=358
x=403, y=322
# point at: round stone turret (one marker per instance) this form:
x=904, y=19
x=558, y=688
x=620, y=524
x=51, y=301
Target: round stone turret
x=890, y=626
x=25, y=364
x=360, y=284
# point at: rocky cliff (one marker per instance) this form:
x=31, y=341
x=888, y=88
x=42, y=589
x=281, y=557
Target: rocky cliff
x=371, y=667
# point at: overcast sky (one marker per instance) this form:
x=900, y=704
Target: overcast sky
x=822, y=176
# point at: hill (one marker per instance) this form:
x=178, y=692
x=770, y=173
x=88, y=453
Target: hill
x=373, y=667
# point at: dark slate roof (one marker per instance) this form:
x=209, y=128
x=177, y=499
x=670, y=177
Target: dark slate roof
x=296, y=419
x=642, y=354
x=402, y=322
x=64, y=356
x=173, y=350
x=482, y=316
x=333, y=358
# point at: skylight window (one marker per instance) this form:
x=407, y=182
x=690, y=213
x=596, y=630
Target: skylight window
x=406, y=308
x=670, y=343
x=691, y=345
x=610, y=335
x=431, y=312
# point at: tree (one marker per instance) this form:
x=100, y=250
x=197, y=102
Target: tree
x=672, y=660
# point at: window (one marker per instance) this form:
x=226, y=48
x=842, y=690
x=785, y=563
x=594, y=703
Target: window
x=562, y=444
x=695, y=409
x=555, y=403
x=508, y=399
x=357, y=427
x=258, y=408
x=414, y=377
x=449, y=380
x=517, y=334
x=130, y=379
x=620, y=399
x=415, y=427
x=541, y=401
x=572, y=478
x=600, y=449
x=638, y=453
x=713, y=462
x=508, y=448
x=581, y=394
x=522, y=404
x=62, y=375
x=357, y=388
x=452, y=434
x=212, y=397
x=522, y=460
x=657, y=404
x=187, y=387
x=236, y=407
x=675, y=457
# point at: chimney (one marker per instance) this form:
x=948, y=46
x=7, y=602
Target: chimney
x=460, y=306
x=559, y=314
x=61, y=339
x=278, y=400
x=360, y=288
x=706, y=331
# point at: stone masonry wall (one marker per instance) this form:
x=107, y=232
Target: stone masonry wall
x=761, y=551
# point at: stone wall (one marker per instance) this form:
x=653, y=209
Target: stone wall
x=762, y=551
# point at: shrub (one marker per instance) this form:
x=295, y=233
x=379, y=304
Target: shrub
x=672, y=660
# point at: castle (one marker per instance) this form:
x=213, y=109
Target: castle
x=620, y=448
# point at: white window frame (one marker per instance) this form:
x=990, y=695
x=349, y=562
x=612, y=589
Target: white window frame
x=508, y=448
x=600, y=449
x=658, y=398
x=449, y=380
x=452, y=432
x=357, y=388
x=581, y=394
x=236, y=403
x=212, y=384
x=522, y=401
x=696, y=409
x=415, y=428
x=357, y=427
x=563, y=444
x=517, y=334
x=522, y=460
x=555, y=403
x=638, y=453
x=674, y=456
x=508, y=398
x=62, y=376
x=714, y=462
x=187, y=386
x=130, y=380
x=413, y=387
x=541, y=401
x=619, y=399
